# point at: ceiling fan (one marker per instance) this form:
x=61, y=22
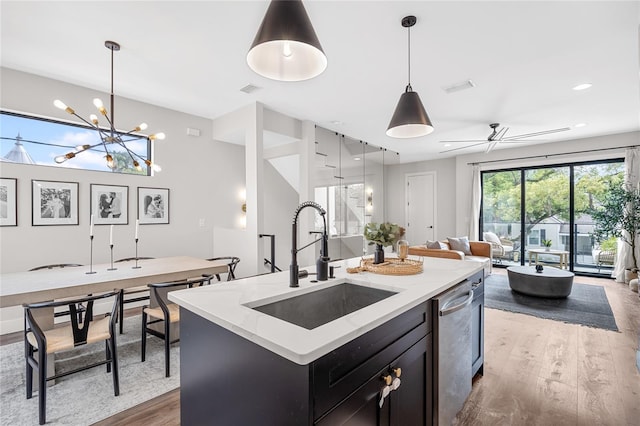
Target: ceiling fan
x=498, y=135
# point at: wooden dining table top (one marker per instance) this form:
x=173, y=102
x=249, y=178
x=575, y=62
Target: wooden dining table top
x=17, y=288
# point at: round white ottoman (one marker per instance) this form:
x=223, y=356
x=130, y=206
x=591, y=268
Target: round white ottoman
x=633, y=285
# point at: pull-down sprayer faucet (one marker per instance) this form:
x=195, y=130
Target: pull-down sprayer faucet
x=323, y=261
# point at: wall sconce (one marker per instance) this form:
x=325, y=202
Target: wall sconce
x=242, y=219
x=370, y=200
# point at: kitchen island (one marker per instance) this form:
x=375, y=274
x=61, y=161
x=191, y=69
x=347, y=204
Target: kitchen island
x=242, y=366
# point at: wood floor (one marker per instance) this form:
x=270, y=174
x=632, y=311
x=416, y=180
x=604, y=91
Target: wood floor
x=536, y=372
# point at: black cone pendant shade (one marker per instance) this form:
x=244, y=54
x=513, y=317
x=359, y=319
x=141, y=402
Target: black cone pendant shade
x=286, y=47
x=410, y=119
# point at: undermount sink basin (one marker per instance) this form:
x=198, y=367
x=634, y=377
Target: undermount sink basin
x=311, y=310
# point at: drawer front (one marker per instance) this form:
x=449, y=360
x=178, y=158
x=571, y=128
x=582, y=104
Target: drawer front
x=342, y=371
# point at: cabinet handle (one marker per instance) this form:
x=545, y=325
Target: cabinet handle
x=396, y=384
x=387, y=379
x=397, y=371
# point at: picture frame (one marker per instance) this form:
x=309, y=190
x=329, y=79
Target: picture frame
x=153, y=205
x=54, y=203
x=8, y=202
x=109, y=204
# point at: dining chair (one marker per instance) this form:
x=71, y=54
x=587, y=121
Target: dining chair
x=80, y=308
x=40, y=343
x=165, y=312
x=142, y=293
x=231, y=266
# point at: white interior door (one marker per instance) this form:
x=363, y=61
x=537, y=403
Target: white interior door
x=421, y=207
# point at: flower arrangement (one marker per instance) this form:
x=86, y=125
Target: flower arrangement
x=384, y=234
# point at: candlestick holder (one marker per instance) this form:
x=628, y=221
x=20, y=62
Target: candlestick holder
x=112, y=268
x=136, y=267
x=91, y=271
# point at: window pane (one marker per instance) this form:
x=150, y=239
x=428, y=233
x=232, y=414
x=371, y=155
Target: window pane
x=32, y=140
x=501, y=213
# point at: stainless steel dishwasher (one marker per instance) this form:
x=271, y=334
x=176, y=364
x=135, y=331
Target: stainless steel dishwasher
x=452, y=364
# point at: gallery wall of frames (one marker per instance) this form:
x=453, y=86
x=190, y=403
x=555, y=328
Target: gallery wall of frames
x=55, y=203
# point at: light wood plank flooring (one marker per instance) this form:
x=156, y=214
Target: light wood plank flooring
x=536, y=372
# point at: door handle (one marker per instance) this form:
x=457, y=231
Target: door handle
x=459, y=306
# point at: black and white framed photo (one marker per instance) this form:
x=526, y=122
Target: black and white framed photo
x=54, y=203
x=8, y=202
x=153, y=205
x=110, y=204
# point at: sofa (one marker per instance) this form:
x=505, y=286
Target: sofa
x=480, y=252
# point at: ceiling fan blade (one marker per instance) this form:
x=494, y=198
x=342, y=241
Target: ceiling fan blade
x=465, y=141
x=544, y=132
x=462, y=147
x=500, y=134
x=492, y=145
x=524, y=140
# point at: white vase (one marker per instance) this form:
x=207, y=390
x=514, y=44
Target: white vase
x=633, y=285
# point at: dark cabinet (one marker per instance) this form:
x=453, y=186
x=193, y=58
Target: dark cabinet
x=406, y=405
x=477, y=324
x=228, y=380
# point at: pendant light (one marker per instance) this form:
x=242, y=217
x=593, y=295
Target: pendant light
x=410, y=120
x=286, y=47
x=110, y=137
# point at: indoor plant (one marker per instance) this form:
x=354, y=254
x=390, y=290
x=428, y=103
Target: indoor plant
x=382, y=235
x=619, y=216
x=547, y=244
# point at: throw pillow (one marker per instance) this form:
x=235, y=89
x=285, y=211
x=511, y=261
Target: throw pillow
x=460, y=244
x=491, y=237
x=435, y=245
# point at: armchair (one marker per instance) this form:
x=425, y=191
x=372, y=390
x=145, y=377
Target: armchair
x=501, y=248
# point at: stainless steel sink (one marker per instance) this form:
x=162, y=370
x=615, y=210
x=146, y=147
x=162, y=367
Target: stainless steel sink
x=311, y=310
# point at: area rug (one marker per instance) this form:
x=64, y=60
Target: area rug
x=87, y=397
x=586, y=305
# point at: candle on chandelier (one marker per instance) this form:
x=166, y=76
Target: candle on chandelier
x=111, y=236
x=91, y=227
x=137, y=223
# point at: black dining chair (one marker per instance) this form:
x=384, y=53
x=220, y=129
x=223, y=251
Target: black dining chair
x=80, y=308
x=141, y=292
x=231, y=266
x=166, y=312
x=39, y=343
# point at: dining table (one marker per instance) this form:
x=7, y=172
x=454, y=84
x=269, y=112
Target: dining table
x=17, y=288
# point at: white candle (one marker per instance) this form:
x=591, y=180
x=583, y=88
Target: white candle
x=91, y=227
x=137, y=223
x=111, y=236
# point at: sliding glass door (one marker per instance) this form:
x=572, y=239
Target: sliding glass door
x=547, y=219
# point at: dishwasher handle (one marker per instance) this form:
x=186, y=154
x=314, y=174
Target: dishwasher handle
x=452, y=309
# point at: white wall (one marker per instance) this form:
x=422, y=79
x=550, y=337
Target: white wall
x=192, y=170
x=395, y=203
x=203, y=177
x=463, y=177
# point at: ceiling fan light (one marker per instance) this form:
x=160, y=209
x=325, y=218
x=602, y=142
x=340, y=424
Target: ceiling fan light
x=286, y=47
x=410, y=119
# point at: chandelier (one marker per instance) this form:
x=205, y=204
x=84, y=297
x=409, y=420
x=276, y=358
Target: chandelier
x=109, y=136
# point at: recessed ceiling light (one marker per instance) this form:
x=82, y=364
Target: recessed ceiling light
x=356, y=158
x=582, y=86
x=447, y=144
x=580, y=125
x=336, y=122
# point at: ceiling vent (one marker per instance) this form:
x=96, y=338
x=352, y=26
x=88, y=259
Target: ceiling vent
x=249, y=88
x=467, y=84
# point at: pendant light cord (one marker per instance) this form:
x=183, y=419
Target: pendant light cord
x=409, y=56
x=112, y=96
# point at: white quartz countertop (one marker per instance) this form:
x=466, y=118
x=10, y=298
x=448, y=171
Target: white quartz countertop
x=227, y=305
